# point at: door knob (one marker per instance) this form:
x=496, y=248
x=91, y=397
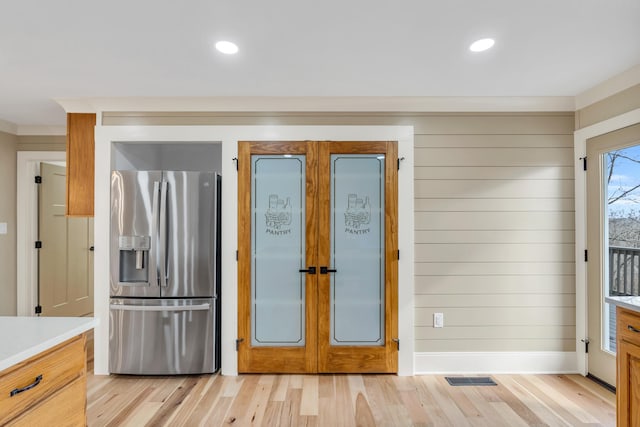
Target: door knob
x=326, y=270
x=310, y=270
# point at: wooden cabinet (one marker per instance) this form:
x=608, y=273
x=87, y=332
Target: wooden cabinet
x=80, y=163
x=628, y=374
x=47, y=389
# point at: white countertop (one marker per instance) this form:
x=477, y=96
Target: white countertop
x=632, y=303
x=24, y=337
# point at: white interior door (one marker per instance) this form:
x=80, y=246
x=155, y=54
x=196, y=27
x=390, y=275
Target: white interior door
x=65, y=273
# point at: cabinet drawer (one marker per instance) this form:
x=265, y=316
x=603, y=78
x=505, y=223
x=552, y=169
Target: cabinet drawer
x=58, y=367
x=66, y=408
x=626, y=320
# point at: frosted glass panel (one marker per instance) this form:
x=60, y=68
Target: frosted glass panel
x=357, y=249
x=278, y=250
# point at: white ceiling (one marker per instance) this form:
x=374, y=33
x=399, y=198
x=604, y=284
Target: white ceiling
x=164, y=48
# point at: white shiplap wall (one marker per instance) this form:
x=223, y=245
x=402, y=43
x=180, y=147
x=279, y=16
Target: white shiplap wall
x=494, y=231
x=494, y=242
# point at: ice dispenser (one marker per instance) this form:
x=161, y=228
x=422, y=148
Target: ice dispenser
x=134, y=259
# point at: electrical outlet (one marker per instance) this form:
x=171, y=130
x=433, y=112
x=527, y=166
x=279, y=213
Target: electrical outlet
x=438, y=320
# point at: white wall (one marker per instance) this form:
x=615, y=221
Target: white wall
x=495, y=243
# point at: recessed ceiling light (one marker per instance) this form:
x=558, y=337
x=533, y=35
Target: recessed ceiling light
x=226, y=47
x=481, y=45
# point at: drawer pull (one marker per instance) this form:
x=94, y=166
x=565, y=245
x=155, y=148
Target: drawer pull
x=632, y=329
x=29, y=387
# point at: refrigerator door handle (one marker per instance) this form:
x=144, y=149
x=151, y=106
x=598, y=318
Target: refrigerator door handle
x=163, y=235
x=153, y=253
x=197, y=307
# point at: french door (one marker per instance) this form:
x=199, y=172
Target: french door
x=317, y=257
x=613, y=230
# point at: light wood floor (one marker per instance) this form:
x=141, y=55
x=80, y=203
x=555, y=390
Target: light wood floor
x=347, y=400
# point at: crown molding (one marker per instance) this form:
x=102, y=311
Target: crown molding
x=22, y=130
x=319, y=104
x=41, y=130
x=609, y=87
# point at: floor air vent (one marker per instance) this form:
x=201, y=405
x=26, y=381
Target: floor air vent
x=458, y=381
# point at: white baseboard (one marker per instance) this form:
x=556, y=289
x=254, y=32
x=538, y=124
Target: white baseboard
x=533, y=362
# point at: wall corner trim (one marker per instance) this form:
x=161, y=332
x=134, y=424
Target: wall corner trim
x=496, y=362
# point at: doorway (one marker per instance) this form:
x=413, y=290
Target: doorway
x=613, y=239
x=317, y=259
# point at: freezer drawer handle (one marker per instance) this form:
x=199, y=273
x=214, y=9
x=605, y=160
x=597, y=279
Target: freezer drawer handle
x=133, y=283
x=198, y=307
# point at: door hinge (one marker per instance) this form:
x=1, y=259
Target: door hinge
x=38, y=179
x=586, y=255
x=586, y=345
x=398, y=254
x=38, y=244
x=235, y=159
x=238, y=341
x=237, y=255
x=397, y=341
x=399, y=160
x=38, y=309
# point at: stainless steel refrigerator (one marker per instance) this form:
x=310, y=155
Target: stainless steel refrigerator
x=165, y=275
